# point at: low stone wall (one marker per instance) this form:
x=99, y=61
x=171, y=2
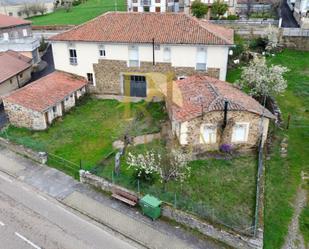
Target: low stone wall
x=52, y=27
x=228, y=237
x=40, y=157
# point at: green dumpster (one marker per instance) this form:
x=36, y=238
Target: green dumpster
x=151, y=206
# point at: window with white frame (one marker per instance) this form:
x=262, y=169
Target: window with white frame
x=167, y=54
x=25, y=33
x=73, y=56
x=240, y=132
x=133, y=56
x=102, y=52
x=201, y=57
x=208, y=134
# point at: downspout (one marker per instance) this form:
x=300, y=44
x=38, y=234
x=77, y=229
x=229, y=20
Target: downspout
x=225, y=114
x=18, y=81
x=153, y=52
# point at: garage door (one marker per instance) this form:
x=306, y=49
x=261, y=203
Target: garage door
x=138, y=86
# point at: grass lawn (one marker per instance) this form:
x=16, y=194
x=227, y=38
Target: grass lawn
x=283, y=175
x=79, y=14
x=87, y=132
x=219, y=190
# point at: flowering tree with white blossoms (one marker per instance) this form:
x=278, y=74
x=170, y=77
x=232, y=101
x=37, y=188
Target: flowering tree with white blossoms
x=263, y=80
x=172, y=166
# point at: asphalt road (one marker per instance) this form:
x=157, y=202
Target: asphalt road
x=28, y=219
x=288, y=20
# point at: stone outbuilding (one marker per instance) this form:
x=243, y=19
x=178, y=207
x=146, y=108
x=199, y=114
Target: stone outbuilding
x=15, y=71
x=36, y=105
x=207, y=113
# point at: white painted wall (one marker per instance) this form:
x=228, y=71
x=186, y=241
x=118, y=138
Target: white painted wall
x=153, y=5
x=88, y=54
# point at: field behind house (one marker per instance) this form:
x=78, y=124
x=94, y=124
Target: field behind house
x=283, y=174
x=79, y=14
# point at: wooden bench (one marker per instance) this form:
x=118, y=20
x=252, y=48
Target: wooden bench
x=125, y=197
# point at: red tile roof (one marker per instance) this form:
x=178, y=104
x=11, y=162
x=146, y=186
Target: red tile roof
x=47, y=91
x=166, y=28
x=12, y=63
x=9, y=21
x=211, y=93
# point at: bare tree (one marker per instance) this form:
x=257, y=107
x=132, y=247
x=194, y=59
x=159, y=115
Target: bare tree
x=26, y=9
x=41, y=7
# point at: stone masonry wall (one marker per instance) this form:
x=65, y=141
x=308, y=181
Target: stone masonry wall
x=108, y=73
x=216, y=118
x=22, y=117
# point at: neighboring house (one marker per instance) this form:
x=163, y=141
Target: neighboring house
x=153, y=5
x=301, y=13
x=17, y=8
x=117, y=51
x=16, y=35
x=243, y=7
x=206, y=113
x=36, y=105
x=15, y=72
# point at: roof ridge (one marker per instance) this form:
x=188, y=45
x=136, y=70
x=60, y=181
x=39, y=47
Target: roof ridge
x=215, y=34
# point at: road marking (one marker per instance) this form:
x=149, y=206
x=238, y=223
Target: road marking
x=1, y=224
x=5, y=178
x=26, y=240
x=43, y=198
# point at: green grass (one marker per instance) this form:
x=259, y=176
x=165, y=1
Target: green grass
x=219, y=190
x=79, y=14
x=304, y=224
x=283, y=175
x=87, y=132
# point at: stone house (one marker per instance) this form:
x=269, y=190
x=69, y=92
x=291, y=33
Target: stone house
x=15, y=72
x=36, y=105
x=153, y=5
x=206, y=113
x=16, y=35
x=119, y=51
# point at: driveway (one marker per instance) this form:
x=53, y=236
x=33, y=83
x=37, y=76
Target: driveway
x=48, y=58
x=288, y=20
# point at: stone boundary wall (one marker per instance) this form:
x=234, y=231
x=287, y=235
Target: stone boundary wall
x=228, y=237
x=52, y=27
x=40, y=157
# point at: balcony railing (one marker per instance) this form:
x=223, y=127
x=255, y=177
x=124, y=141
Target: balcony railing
x=24, y=44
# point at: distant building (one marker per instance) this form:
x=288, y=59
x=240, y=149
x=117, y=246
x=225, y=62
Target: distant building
x=16, y=7
x=153, y=5
x=15, y=72
x=301, y=12
x=16, y=35
x=38, y=104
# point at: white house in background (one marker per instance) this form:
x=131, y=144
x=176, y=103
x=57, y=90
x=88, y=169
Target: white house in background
x=153, y=5
x=117, y=51
x=16, y=35
x=15, y=7
x=301, y=13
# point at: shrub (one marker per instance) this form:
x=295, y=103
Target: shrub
x=76, y=2
x=199, y=9
x=258, y=44
x=226, y=148
x=232, y=17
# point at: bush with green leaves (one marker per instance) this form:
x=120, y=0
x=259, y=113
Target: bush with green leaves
x=199, y=9
x=218, y=8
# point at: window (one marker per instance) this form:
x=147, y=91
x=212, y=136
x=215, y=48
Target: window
x=133, y=56
x=146, y=9
x=21, y=75
x=54, y=109
x=240, y=132
x=158, y=1
x=102, y=52
x=90, y=78
x=201, y=59
x=158, y=9
x=10, y=14
x=134, y=1
x=209, y=134
x=167, y=54
x=135, y=9
x=6, y=36
x=19, y=13
x=25, y=33
x=73, y=57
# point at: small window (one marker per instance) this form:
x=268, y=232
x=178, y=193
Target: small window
x=11, y=81
x=240, y=132
x=10, y=14
x=54, y=109
x=73, y=56
x=201, y=59
x=102, y=52
x=135, y=9
x=25, y=33
x=167, y=54
x=21, y=75
x=146, y=9
x=158, y=1
x=90, y=78
x=158, y=9
x=209, y=134
x=133, y=56
x=19, y=13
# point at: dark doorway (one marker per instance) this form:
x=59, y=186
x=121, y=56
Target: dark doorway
x=138, y=86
